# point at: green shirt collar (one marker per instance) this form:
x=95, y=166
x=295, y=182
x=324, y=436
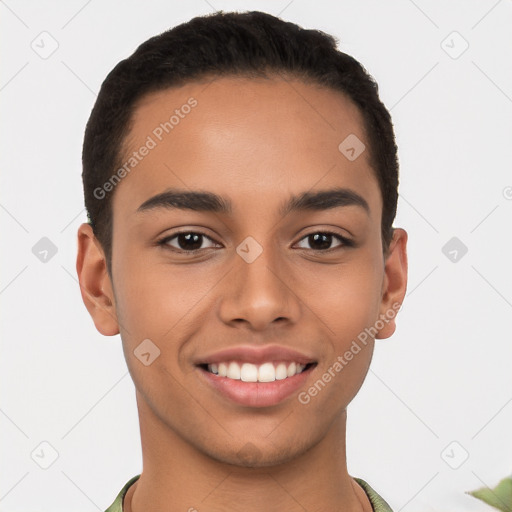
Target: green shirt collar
x=117, y=506
x=378, y=503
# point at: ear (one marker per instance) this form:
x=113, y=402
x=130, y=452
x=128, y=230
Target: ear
x=95, y=284
x=394, y=284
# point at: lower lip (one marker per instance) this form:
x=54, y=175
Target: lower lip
x=257, y=394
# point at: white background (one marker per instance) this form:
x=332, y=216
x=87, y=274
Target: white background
x=443, y=377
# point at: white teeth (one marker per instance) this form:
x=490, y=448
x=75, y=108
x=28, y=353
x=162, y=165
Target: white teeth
x=223, y=369
x=267, y=373
x=281, y=371
x=233, y=371
x=249, y=372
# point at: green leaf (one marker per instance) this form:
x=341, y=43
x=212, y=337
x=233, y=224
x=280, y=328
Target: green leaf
x=500, y=497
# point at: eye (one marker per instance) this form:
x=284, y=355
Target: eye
x=321, y=241
x=192, y=241
x=186, y=241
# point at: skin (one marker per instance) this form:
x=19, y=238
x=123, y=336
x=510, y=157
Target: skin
x=256, y=142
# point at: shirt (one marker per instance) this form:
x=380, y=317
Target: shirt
x=378, y=503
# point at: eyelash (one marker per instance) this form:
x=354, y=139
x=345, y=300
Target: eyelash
x=164, y=241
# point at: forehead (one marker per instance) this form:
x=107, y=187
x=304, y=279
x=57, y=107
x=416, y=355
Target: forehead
x=255, y=139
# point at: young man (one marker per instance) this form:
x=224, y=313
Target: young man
x=241, y=177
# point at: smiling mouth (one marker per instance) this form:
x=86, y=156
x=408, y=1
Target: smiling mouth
x=248, y=372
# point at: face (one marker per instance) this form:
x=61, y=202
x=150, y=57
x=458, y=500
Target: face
x=252, y=270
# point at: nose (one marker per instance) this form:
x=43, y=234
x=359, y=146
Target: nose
x=260, y=294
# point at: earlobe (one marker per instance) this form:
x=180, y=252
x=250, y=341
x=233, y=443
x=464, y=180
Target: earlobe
x=394, y=284
x=95, y=284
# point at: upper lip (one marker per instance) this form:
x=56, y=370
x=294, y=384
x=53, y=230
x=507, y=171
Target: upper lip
x=255, y=355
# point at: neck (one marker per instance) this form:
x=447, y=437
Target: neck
x=178, y=476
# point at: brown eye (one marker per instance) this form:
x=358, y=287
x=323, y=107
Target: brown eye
x=186, y=241
x=321, y=241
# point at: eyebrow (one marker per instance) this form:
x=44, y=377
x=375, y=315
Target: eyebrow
x=204, y=201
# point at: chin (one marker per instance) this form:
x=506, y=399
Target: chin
x=253, y=456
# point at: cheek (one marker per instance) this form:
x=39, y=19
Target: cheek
x=157, y=304
x=348, y=311
x=349, y=297
x=157, y=300
x=348, y=304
